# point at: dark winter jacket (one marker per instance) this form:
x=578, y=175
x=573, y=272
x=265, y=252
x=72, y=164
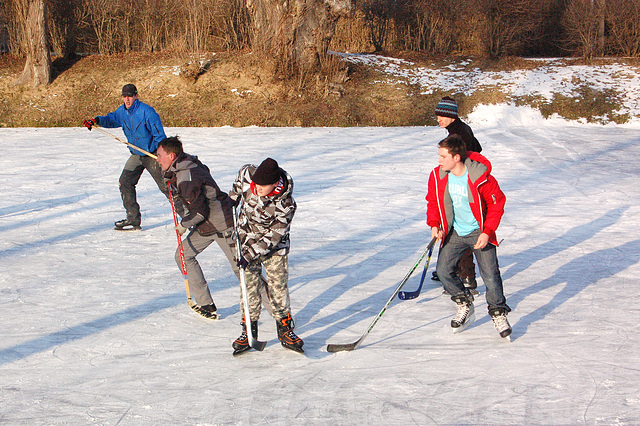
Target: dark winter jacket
x=141, y=125
x=485, y=197
x=210, y=209
x=263, y=222
x=458, y=127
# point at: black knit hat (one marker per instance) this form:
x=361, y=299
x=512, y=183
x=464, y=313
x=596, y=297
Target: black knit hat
x=129, y=90
x=447, y=107
x=267, y=173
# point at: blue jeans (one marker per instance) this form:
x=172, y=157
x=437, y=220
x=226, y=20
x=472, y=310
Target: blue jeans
x=487, y=260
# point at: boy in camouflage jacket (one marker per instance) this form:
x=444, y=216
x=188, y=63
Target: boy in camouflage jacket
x=264, y=222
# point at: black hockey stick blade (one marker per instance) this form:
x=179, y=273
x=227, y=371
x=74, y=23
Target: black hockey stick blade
x=258, y=345
x=344, y=347
x=408, y=295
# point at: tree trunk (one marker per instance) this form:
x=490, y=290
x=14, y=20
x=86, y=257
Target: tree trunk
x=600, y=10
x=37, y=68
x=296, y=33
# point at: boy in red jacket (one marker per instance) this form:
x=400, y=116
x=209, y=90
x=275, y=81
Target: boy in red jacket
x=464, y=208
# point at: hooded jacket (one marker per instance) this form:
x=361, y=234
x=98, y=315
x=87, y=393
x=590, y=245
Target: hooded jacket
x=210, y=209
x=486, y=200
x=263, y=222
x=141, y=125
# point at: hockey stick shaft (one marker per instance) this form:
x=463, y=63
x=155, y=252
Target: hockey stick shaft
x=155, y=157
x=253, y=342
x=183, y=267
x=354, y=345
x=407, y=295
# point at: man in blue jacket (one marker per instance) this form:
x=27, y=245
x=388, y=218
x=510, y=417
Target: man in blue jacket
x=142, y=126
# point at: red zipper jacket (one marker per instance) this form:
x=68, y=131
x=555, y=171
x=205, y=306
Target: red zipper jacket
x=485, y=197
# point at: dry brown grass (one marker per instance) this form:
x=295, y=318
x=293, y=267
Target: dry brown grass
x=236, y=89
x=240, y=89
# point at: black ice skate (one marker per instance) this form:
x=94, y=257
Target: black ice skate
x=207, y=311
x=286, y=335
x=127, y=225
x=471, y=284
x=241, y=344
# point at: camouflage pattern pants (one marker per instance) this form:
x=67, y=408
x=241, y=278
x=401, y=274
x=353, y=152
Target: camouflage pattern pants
x=276, y=284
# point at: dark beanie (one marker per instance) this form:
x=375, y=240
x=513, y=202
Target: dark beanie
x=267, y=173
x=447, y=107
x=129, y=90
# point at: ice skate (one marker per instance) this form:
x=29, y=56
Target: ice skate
x=501, y=323
x=471, y=284
x=464, y=316
x=241, y=344
x=207, y=311
x=126, y=225
x=286, y=335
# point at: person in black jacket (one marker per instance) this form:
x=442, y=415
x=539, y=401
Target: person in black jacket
x=210, y=217
x=447, y=116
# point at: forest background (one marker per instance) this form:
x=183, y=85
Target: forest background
x=98, y=45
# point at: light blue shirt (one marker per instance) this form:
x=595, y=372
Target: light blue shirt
x=463, y=220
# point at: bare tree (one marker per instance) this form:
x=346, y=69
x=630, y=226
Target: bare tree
x=37, y=68
x=507, y=24
x=428, y=26
x=234, y=25
x=297, y=32
x=624, y=26
x=104, y=23
x=377, y=16
x=583, y=24
x=151, y=19
x=600, y=7
x=62, y=26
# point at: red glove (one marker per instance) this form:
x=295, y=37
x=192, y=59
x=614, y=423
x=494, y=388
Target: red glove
x=90, y=122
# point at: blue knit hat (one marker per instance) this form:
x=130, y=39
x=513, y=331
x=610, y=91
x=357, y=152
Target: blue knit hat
x=447, y=107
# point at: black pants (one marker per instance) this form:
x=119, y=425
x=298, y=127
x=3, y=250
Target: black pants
x=133, y=169
x=466, y=268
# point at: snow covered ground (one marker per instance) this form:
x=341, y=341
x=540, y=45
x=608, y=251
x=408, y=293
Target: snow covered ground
x=96, y=329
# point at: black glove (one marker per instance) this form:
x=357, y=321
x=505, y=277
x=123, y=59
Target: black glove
x=90, y=122
x=242, y=263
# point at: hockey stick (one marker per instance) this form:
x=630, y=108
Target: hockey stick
x=352, y=346
x=253, y=342
x=183, y=267
x=155, y=157
x=407, y=295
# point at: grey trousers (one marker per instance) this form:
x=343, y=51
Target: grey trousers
x=195, y=244
x=133, y=169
